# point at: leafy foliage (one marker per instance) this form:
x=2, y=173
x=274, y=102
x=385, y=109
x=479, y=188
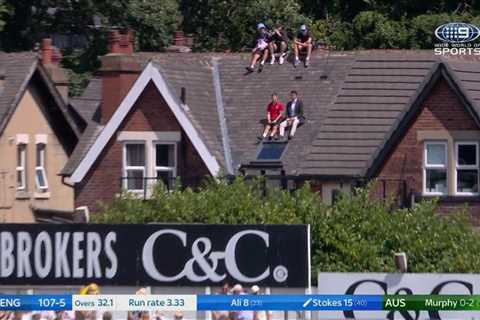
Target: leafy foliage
x=230, y=25
x=355, y=234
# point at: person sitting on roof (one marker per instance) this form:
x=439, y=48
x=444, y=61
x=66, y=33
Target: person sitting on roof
x=278, y=43
x=261, y=48
x=275, y=116
x=294, y=115
x=303, y=42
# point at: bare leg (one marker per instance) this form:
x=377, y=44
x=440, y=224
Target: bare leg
x=295, y=50
x=265, y=56
x=267, y=129
x=254, y=60
x=274, y=131
x=309, y=50
x=283, y=47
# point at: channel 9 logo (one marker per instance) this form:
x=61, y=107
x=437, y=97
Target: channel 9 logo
x=457, y=32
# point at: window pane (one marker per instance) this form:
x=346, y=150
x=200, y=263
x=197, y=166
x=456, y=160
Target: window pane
x=20, y=183
x=135, y=155
x=40, y=155
x=20, y=155
x=436, y=154
x=165, y=155
x=467, y=154
x=41, y=180
x=436, y=181
x=135, y=180
x=467, y=181
x=166, y=177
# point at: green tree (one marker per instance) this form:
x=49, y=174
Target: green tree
x=357, y=233
x=154, y=21
x=231, y=25
x=374, y=30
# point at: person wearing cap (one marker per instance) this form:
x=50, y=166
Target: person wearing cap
x=303, y=41
x=279, y=42
x=260, y=314
x=261, y=48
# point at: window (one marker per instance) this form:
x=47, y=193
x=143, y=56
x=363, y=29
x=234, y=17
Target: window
x=40, y=173
x=165, y=163
x=466, y=173
x=435, y=168
x=271, y=151
x=21, y=166
x=134, y=166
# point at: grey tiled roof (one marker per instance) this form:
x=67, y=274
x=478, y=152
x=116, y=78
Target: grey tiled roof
x=195, y=74
x=378, y=91
x=17, y=68
x=246, y=98
x=87, y=139
x=87, y=104
x=350, y=114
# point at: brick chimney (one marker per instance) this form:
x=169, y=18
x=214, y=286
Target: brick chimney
x=119, y=71
x=51, y=58
x=181, y=43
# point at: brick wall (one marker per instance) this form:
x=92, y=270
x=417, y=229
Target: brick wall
x=150, y=113
x=442, y=110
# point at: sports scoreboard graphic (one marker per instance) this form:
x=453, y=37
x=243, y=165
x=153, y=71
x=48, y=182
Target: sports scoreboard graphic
x=240, y=302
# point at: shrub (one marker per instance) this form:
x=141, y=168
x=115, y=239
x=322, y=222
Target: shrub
x=357, y=233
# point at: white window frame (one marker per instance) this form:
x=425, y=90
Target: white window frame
x=163, y=168
x=137, y=168
x=40, y=166
x=22, y=168
x=459, y=167
x=427, y=166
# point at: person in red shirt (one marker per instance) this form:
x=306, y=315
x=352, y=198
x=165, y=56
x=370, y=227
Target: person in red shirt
x=275, y=110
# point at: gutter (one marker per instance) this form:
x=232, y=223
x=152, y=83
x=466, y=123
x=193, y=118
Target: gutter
x=221, y=115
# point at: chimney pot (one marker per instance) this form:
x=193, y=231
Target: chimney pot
x=47, y=51
x=179, y=38
x=121, y=42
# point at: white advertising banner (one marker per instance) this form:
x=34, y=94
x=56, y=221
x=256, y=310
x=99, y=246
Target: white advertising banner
x=398, y=283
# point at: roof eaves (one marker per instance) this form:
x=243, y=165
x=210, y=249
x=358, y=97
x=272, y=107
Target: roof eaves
x=18, y=95
x=58, y=99
x=456, y=85
x=400, y=125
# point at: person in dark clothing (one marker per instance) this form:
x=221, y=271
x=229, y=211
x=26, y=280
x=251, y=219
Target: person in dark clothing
x=278, y=43
x=261, y=48
x=303, y=41
x=294, y=115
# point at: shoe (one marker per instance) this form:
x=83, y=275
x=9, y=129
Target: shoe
x=260, y=67
x=260, y=138
x=272, y=61
x=281, y=60
x=307, y=63
x=289, y=138
x=296, y=63
x=249, y=69
x=275, y=138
